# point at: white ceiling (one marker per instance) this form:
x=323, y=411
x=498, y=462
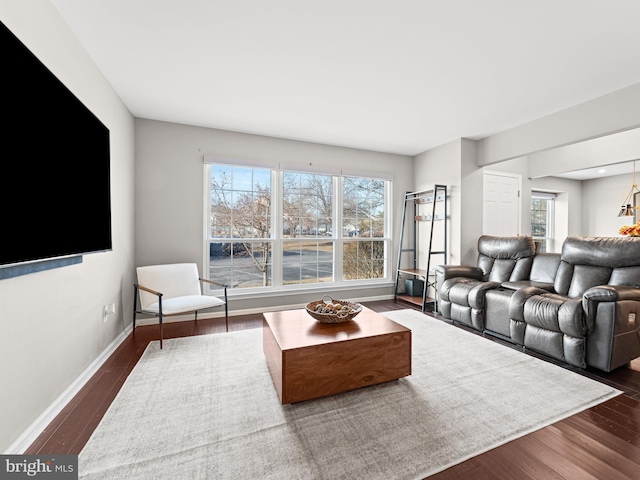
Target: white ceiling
x=398, y=76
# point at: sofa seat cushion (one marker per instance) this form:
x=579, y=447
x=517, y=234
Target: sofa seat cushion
x=556, y=313
x=171, y=306
x=549, y=323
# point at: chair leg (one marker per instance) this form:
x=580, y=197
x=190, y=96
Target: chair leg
x=160, y=317
x=135, y=306
x=226, y=310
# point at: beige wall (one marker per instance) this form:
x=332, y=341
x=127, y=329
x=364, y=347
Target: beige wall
x=52, y=321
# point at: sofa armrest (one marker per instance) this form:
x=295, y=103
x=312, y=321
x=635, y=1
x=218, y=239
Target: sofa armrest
x=445, y=272
x=450, y=271
x=606, y=293
x=517, y=324
x=519, y=298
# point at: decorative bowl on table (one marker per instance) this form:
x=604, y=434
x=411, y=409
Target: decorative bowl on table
x=329, y=310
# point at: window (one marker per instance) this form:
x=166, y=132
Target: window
x=363, y=221
x=270, y=228
x=241, y=215
x=542, y=218
x=307, y=253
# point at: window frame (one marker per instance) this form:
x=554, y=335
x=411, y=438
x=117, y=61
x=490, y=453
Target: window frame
x=278, y=240
x=547, y=241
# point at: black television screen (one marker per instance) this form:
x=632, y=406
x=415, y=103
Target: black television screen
x=55, y=182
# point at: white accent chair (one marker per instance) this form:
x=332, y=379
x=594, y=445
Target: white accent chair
x=173, y=289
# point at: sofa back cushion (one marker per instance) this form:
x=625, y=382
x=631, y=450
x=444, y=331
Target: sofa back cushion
x=591, y=261
x=504, y=259
x=544, y=267
x=626, y=276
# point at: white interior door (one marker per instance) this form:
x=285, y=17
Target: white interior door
x=501, y=204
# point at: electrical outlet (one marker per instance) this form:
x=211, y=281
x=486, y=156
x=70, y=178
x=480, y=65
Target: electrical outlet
x=108, y=310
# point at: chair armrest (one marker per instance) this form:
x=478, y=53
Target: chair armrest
x=212, y=282
x=218, y=284
x=147, y=289
x=606, y=293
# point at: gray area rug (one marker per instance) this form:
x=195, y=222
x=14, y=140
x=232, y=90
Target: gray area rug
x=205, y=407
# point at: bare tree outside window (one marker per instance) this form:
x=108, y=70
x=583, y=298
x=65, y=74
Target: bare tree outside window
x=363, y=218
x=307, y=214
x=542, y=218
x=308, y=204
x=241, y=211
x=243, y=234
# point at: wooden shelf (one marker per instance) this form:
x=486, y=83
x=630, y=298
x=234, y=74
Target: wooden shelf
x=425, y=206
x=413, y=271
x=419, y=272
x=414, y=300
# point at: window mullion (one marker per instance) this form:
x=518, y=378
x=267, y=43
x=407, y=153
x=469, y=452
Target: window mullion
x=277, y=224
x=388, y=228
x=338, y=246
x=207, y=223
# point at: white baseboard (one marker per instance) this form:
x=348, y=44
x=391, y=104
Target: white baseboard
x=30, y=435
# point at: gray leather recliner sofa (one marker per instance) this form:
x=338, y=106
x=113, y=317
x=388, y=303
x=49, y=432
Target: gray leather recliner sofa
x=462, y=289
x=581, y=307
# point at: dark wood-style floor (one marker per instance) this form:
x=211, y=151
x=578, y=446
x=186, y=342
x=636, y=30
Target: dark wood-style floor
x=602, y=442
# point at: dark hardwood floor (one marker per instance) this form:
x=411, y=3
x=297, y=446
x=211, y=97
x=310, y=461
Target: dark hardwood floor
x=602, y=442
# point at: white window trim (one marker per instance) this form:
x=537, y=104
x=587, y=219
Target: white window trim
x=277, y=289
x=551, y=220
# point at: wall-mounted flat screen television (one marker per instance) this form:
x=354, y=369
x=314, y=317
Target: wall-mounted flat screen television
x=55, y=168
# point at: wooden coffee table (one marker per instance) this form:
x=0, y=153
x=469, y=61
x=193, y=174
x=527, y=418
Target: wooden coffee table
x=308, y=359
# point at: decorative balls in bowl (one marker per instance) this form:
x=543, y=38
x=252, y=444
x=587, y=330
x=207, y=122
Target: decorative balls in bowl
x=329, y=310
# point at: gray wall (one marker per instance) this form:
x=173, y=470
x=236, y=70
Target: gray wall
x=52, y=327
x=442, y=165
x=601, y=131
x=603, y=198
x=455, y=164
x=169, y=201
x=568, y=209
x=608, y=114
x=610, y=149
x=582, y=207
